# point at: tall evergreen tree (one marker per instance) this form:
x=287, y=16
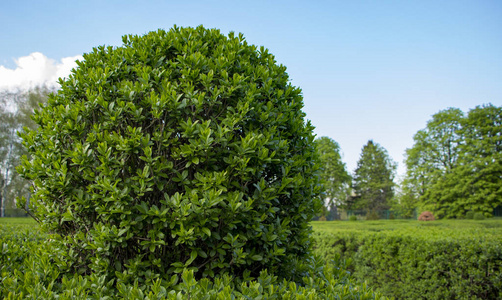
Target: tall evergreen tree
x=334, y=175
x=374, y=178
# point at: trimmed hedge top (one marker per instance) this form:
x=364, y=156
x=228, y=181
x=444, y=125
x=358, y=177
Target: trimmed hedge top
x=180, y=150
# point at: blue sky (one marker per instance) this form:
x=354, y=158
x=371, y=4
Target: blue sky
x=368, y=69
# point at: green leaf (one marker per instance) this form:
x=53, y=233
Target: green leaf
x=193, y=256
x=122, y=231
x=206, y=231
x=257, y=257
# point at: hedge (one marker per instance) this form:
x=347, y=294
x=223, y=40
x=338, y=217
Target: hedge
x=424, y=262
x=29, y=263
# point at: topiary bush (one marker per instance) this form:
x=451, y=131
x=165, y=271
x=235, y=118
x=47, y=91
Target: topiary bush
x=180, y=150
x=469, y=215
x=426, y=216
x=353, y=218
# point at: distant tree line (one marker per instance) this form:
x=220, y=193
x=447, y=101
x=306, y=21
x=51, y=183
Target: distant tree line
x=370, y=188
x=454, y=167
x=15, y=112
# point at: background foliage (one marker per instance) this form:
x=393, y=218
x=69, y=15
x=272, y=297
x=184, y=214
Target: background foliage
x=455, y=165
x=334, y=175
x=373, y=180
x=15, y=112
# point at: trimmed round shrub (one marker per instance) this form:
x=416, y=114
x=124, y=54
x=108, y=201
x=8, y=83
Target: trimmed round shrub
x=180, y=150
x=479, y=216
x=426, y=216
x=469, y=215
x=353, y=218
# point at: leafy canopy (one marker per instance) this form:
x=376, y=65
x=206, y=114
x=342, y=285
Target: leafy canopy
x=334, y=175
x=180, y=150
x=455, y=165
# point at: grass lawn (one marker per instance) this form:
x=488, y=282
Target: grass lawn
x=493, y=225
x=20, y=221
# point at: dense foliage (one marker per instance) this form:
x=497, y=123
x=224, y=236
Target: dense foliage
x=373, y=178
x=401, y=259
x=405, y=201
x=180, y=150
x=28, y=270
x=334, y=175
x=455, y=165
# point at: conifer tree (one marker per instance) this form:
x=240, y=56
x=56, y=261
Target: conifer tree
x=374, y=178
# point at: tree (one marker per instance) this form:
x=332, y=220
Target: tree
x=406, y=200
x=181, y=149
x=334, y=175
x=455, y=164
x=478, y=176
x=435, y=152
x=15, y=112
x=7, y=156
x=373, y=181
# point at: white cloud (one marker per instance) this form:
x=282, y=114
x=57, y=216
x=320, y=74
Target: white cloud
x=35, y=70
